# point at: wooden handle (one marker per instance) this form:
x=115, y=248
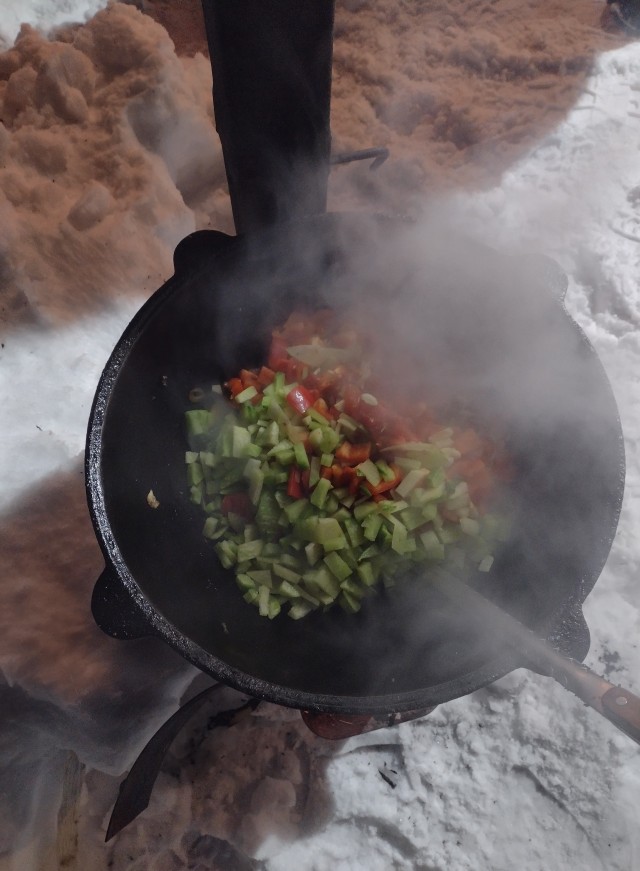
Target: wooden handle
x=622, y=708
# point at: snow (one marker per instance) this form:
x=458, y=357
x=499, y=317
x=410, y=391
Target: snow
x=43, y=14
x=519, y=126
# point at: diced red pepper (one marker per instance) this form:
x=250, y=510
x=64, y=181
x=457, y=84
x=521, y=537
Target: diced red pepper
x=305, y=476
x=384, y=486
x=354, y=481
x=294, y=489
x=466, y=468
x=238, y=503
x=322, y=408
x=352, y=454
x=300, y=399
x=248, y=378
x=292, y=369
x=277, y=352
x=335, y=474
x=265, y=376
x=235, y=386
x=480, y=486
x=468, y=442
x=344, y=476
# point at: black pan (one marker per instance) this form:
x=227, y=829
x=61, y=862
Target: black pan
x=405, y=650
x=408, y=649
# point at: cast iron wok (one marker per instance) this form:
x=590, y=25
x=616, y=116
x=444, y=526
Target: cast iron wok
x=405, y=650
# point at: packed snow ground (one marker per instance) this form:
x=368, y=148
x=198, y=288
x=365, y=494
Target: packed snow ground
x=527, y=132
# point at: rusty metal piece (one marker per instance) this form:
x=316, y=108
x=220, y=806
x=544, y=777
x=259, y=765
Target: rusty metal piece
x=376, y=155
x=337, y=727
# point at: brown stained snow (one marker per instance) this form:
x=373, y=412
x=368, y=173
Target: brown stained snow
x=457, y=91
x=88, y=169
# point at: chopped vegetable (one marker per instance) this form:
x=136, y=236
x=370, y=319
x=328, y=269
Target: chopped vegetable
x=316, y=491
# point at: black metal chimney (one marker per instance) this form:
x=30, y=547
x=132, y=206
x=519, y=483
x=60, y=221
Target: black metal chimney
x=271, y=62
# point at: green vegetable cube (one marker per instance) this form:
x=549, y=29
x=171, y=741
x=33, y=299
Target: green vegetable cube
x=337, y=566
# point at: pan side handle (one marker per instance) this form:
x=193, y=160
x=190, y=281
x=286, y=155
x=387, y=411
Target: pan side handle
x=196, y=246
x=114, y=610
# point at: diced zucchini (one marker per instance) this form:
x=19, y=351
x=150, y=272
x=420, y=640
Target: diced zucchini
x=366, y=574
x=299, y=610
x=285, y=573
x=371, y=526
x=263, y=601
x=320, y=492
x=245, y=395
x=314, y=471
x=244, y=582
x=363, y=509
x=198, y=421
x=300, y=455
x=485, y=564
x=260, y=577
x=469, y=526
x=288, y=590
x=249, y=550
x=350, y=603
x=369, y=470
x=195, y=474
x=337, y=566
x=313, y=552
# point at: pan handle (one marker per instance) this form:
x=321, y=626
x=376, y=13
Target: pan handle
x=620, y=706
x=271, y=62
x=114, y=611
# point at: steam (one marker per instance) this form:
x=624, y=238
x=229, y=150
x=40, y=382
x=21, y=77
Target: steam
x=457, y=325
x=473, y=325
